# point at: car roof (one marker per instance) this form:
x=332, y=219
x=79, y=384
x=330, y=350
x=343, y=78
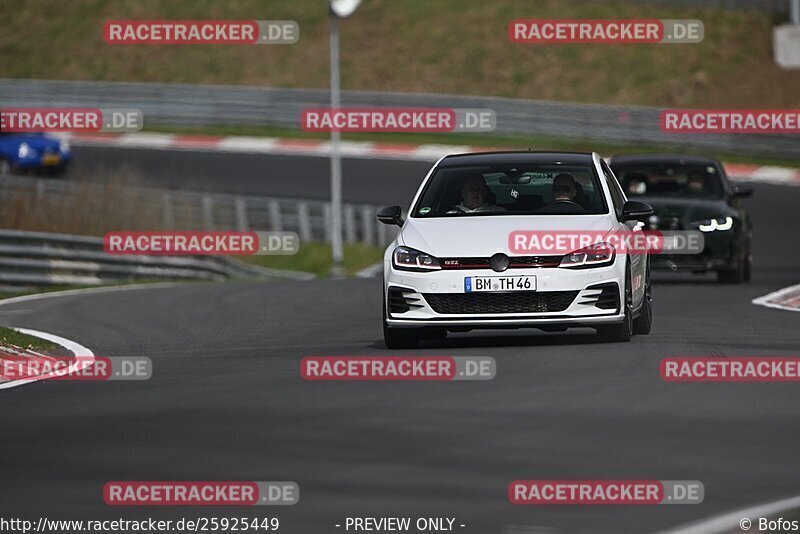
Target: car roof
x=669, y=159
x=518, y=156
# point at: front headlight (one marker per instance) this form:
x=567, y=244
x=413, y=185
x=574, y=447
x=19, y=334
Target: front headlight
x=596, y=255
x=63, y=146
x=25, y=151
x=409, y=259
x=711, y=225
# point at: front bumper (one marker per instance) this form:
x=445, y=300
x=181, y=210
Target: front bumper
x=438, y=298
x=719, y=253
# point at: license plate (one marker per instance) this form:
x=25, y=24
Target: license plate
x=51, y=159
x=473, y=284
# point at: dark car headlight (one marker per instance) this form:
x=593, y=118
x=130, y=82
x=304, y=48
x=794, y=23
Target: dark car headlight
x=720, y=224
x=409, y=259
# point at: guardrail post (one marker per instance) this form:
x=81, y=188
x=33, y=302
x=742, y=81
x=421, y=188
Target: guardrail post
x=367, y=215
x=241, y=213
x=327, y=222
x=275, y=222
x=349, y=224
x=208, y=214
x=167, y=211
x=303, y=222
x=40, y=191
x=382, y=239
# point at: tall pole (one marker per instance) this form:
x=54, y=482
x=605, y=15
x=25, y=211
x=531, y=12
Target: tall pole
x=336, y=161
x=794, y=8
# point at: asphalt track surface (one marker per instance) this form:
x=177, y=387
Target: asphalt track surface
x=364, y=180
x=226, y=402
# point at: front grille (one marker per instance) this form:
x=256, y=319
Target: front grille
x=488, y=303
x=516, y=262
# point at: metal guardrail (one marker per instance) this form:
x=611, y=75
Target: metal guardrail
x=190, y=210
x=183, y=104
x=44, y=259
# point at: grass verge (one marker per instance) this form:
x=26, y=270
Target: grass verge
x=317, y=258
x=12, y=337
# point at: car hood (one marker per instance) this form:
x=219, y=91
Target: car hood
x=481, y=236
x=687, y=210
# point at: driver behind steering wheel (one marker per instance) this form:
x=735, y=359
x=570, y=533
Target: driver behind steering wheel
x=565, y=188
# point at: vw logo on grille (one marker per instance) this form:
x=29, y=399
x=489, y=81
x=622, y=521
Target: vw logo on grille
x=499, y=262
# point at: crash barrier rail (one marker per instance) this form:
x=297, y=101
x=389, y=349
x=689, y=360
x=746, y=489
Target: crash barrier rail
x=173, y=210
x=44, y=259
x=30, y=259
x=183, y=104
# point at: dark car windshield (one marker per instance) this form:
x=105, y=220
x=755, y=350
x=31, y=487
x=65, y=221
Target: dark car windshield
x=694, y=181
x=524, y=189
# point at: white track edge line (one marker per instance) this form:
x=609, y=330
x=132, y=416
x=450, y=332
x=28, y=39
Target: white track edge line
x=730, y=520
x=763, y=300
x=83, y=357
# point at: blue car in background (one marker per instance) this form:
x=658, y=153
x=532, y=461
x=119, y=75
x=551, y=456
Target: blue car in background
x=33, y=153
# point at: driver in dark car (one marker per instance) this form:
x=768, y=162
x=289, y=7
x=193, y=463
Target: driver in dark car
x=564, y=188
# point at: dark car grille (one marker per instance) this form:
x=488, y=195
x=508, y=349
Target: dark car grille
x=516, y=262
x=487, y=303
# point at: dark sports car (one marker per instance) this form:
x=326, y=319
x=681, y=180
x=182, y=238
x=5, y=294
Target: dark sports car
x=692, y=193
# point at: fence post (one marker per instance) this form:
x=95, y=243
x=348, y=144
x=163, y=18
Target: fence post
x=275, y=222
x=367, y=215
x=168, y=213
x=241, y=213
x=327, y=222
x=208, y=215
x=349, y=224
x=303, y=222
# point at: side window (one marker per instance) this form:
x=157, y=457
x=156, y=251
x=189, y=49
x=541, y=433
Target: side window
x=617, y=196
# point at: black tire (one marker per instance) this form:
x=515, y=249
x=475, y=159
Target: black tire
x=748, y=266
x=643, y=323
x=735, y=276
x=400, y=338
x=623, y=331
x=5, y=167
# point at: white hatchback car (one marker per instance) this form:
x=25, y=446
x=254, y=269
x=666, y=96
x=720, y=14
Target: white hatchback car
x=456, y=264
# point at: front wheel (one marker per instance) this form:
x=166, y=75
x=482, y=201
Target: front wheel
x=400, y=338
x=643, y=323
x=623, y=331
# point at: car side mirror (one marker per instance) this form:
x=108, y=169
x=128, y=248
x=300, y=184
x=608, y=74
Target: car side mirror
x=636, y=210
x=391, y=215
x=742, y=191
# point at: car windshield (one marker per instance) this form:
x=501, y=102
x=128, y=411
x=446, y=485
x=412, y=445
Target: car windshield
x=524, y=189
x=698, y=181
